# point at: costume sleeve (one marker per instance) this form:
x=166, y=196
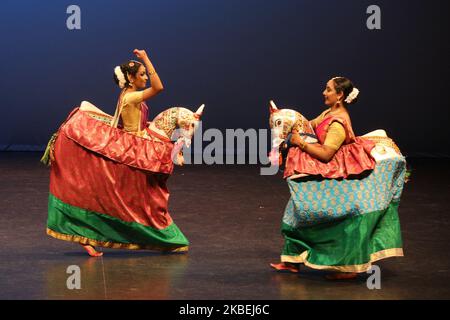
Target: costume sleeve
x=335, y=136
x=134, y=98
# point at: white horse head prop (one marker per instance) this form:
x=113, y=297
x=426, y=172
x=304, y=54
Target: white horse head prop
x=178, y=124
x=284, y=121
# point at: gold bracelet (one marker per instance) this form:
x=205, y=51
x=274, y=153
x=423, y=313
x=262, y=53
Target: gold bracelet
x=152, y=72
x=303, y=145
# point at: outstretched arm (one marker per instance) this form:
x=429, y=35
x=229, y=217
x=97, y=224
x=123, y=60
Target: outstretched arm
x=155, y=81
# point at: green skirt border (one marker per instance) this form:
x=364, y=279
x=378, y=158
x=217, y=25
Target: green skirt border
x=347, y=245
x=71, y=223
x=113, y=245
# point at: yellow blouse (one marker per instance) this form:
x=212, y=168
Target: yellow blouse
x=131, y=111
x=335, y=136
x=336, y=133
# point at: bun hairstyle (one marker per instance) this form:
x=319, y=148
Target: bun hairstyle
x=342, y=84
x=123, y=72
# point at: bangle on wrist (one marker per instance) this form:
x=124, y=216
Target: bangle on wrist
x=303, y=145
x=152, y=72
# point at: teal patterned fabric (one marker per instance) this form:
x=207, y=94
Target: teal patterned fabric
x=324, y=200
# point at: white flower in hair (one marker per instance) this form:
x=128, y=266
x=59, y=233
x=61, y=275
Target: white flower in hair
x=120, y=76
x=352, y=96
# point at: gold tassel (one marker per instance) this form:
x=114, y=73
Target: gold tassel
x=48, y=156
x=408, y=175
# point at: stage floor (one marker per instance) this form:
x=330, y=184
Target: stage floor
x=232, y=216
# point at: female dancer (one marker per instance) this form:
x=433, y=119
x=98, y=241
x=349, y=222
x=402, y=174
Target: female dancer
x=131, y=110
x=132, y=78
x=325, y=225
x=108, y=185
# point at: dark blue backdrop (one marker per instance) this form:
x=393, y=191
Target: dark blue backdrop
x=234, y=56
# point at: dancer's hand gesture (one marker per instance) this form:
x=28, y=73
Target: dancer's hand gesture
x=180, y=159
x=296, y=139
x=141, y=54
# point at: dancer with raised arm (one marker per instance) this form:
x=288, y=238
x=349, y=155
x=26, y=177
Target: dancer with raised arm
x=108, y=174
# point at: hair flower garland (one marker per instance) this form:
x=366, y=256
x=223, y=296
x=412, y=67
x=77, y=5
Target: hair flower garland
x=120, y=76
x=352, y=96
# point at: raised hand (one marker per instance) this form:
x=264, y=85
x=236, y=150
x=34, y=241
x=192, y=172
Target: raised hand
x=140, y=54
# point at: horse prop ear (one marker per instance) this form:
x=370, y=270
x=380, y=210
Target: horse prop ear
x=199, y=112
x=272, y=106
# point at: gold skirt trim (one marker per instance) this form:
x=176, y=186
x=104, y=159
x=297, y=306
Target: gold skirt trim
x=388, y=253
x=113, y=245
x=384, y=141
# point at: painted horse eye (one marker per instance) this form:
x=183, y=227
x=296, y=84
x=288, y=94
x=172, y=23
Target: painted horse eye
x=278, y=123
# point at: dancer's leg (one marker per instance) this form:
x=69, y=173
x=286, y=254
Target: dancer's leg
x=286, y=266
x=91, y=250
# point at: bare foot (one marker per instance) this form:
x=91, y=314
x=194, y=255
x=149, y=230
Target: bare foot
x=285, y=266
x=91, y=250
x=341, y=276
